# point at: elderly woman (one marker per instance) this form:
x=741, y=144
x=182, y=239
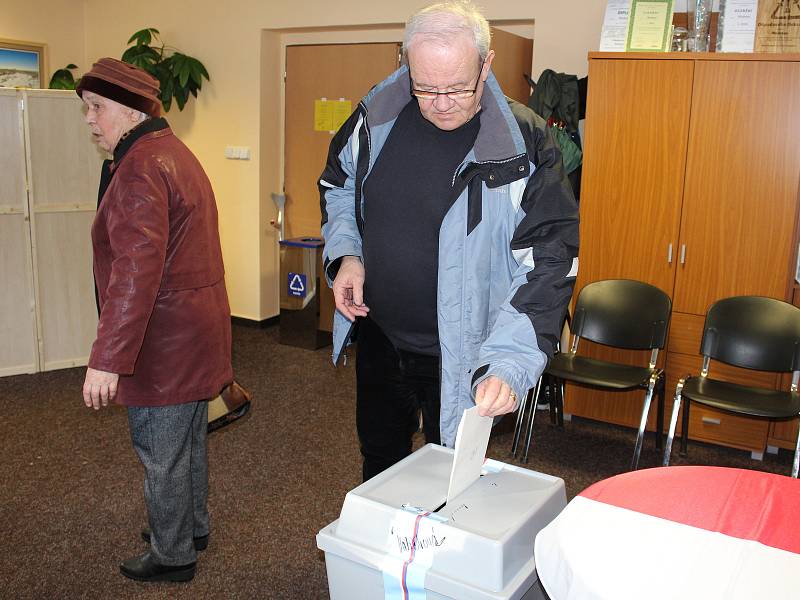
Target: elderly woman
x=163, y=342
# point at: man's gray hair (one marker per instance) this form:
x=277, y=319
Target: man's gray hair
x=443, y=21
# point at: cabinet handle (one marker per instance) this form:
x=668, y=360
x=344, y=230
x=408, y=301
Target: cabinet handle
x=711, y=421
x=669, y=254
x=683, y=254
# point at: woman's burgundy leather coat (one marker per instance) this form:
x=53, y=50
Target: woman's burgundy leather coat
x=164, y=315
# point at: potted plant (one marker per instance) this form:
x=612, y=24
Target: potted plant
x=179, y=74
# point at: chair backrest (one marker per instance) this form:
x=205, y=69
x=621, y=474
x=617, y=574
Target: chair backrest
x=622, y=313
x=753, y=332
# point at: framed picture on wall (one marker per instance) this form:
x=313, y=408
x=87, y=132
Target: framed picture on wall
x=22, y=64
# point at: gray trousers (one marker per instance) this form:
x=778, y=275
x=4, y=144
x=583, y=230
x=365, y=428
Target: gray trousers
x=171, y=444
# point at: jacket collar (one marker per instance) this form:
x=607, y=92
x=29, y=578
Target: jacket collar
x=499, y=138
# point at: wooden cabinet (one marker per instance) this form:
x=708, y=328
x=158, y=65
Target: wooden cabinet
x=690, y=183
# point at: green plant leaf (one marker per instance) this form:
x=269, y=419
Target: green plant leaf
x=141, y=56
x=143, y=37
x=63, y=79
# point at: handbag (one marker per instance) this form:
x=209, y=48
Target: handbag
x=232, y=403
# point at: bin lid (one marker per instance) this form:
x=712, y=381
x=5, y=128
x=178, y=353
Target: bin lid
x=303, y=242
x=483, y=538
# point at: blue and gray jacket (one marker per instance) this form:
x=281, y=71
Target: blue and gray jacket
x=508, y=245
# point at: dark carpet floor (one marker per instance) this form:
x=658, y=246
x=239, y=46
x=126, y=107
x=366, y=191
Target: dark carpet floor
x=71, y=504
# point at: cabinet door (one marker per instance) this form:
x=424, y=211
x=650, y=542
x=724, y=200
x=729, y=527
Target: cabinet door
x=637, y=116
x=64, y=168
x=18, y=349
x=742, y=174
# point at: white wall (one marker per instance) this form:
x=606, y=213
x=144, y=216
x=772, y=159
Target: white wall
x=240, y=43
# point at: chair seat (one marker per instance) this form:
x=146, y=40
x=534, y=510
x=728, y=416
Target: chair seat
x=591, y=371
x=752, y=401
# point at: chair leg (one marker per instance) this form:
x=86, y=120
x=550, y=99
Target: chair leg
x=520, y=420
x=532, y=412
x=551, y=400
x=648, y=398
x=558, y=389
x=685, y=426
x=673, y=423
x=660, y=412
x=796, y=461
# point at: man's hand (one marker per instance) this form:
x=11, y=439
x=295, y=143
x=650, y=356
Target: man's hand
x=348, y=288
x=99, y=387
x=494, y=397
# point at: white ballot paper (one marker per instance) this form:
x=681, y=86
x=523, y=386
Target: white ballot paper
x=472, y=440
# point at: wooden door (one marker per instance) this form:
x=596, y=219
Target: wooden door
x=18, y=349
x=63, y=171
x=742, y=175
x=513, y=59
x=637, y=116
x=334, y=72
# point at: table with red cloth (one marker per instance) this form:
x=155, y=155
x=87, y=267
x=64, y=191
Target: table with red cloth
x=676, y=532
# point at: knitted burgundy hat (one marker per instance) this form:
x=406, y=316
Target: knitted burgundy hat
x=123, y=83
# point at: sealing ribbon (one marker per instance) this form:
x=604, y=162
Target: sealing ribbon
x=415, y=536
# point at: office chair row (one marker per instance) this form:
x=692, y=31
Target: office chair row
x=752, y=332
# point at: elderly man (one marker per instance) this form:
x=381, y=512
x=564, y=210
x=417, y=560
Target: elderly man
x=163, y=342
x=451, y=239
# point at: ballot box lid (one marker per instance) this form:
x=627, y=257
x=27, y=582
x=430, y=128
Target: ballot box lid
x=483, y=538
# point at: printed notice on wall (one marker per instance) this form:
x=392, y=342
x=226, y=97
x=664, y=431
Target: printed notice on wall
x=778, y=26
x=329, y=115
x=736, y=31
x=649, y=26
x=615, y=26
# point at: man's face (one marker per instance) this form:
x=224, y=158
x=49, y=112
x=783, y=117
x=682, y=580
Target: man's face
x=107, y=119
x=434, y=67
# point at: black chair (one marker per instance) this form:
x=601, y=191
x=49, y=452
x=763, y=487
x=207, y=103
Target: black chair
x=616, y=312
x=751, y=332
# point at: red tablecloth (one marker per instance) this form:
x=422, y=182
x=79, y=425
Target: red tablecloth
x=676, y=532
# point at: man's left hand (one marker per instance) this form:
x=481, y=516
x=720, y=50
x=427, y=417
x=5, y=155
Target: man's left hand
x=494, y=397
x=99, y=387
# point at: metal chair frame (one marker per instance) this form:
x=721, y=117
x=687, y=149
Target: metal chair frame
x=707, y=356
x=655, y=384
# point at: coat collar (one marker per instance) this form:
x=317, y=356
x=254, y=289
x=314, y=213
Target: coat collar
x=145, y=127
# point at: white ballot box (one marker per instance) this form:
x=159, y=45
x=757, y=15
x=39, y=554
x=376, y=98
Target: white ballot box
x=396, y=538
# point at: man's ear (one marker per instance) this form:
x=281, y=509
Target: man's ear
x=487, y=65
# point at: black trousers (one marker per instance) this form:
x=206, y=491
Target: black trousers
x=392, y=387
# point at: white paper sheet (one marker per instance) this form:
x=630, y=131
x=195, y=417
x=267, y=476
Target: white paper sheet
x=738, y=26
x=615, y=26
x=472, y=440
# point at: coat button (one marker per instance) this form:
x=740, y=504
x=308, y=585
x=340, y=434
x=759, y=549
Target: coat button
x=521, y=168
x=491, y=176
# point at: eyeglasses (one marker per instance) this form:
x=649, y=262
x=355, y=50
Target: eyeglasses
x=452, y=94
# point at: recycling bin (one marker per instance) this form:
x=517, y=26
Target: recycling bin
x=300, y=259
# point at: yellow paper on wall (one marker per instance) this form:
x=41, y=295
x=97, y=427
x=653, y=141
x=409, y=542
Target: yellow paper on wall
x=330, y=114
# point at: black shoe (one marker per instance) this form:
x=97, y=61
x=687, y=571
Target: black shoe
x=200, y=543
x=145, y=568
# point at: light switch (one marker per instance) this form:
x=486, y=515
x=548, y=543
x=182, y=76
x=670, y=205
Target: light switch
x=237, y=152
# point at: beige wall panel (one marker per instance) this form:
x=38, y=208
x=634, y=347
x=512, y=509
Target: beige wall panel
x=66, y=288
